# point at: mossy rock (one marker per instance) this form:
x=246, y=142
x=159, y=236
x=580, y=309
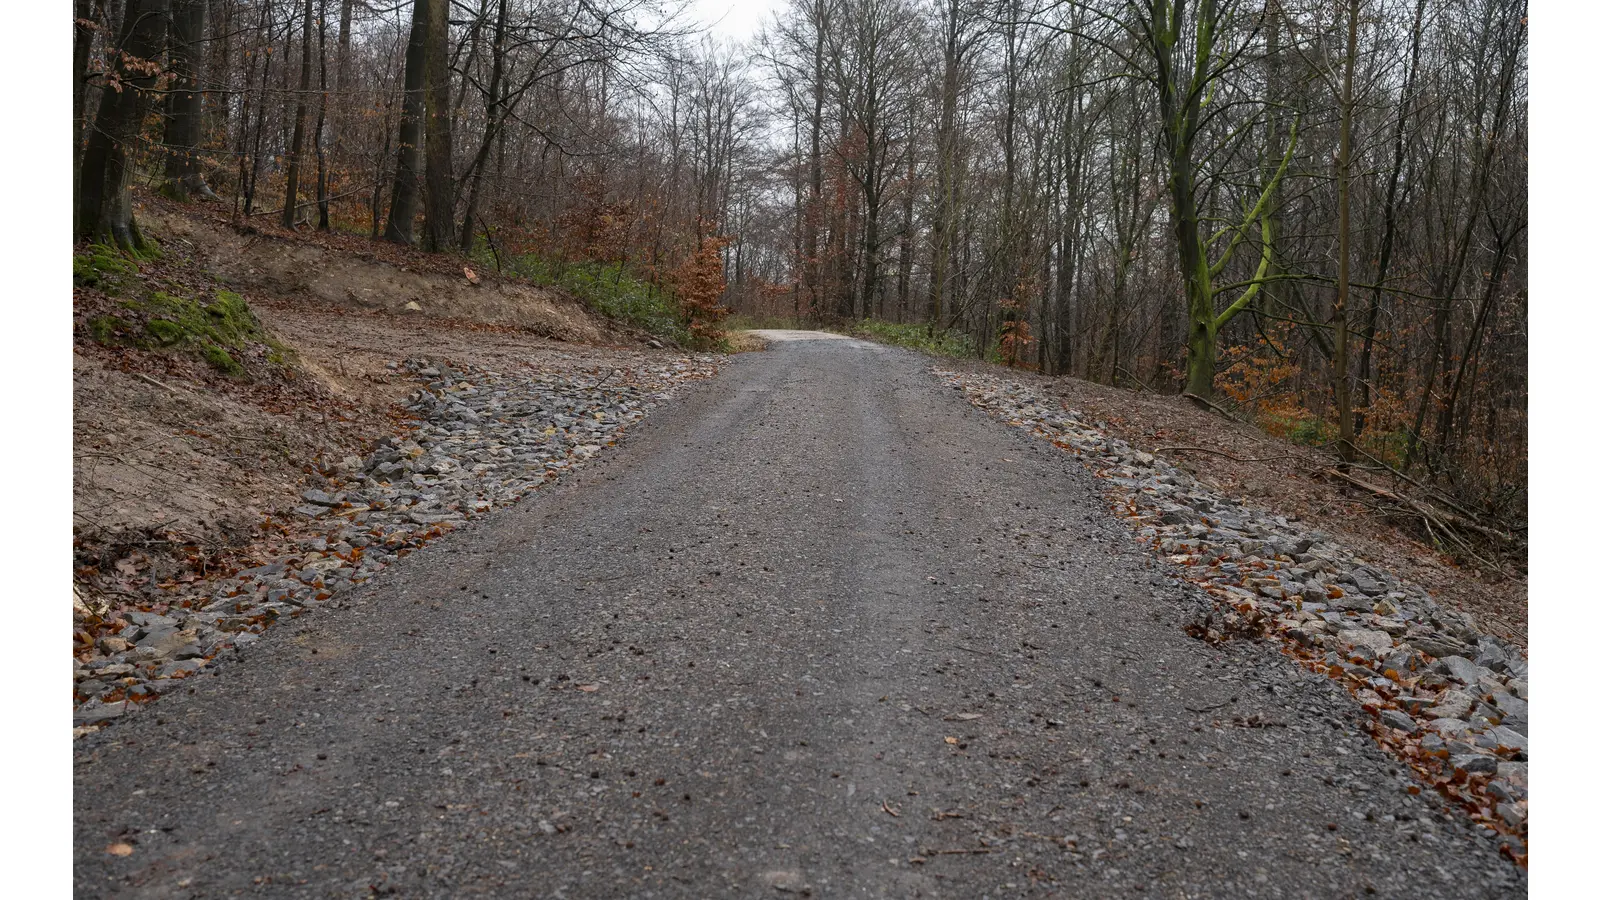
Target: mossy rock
x=166, y=333
x=231, y=318
x=209, y=329
x=226, y=322
x=106, y=328
x=220, y=360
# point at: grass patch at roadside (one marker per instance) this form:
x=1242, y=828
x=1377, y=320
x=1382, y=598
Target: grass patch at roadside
x=949, y=343
x=750, y=322
x=610, y=289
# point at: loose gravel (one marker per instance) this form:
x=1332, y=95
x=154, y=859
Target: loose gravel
x=1445, y=698
x=482, y=441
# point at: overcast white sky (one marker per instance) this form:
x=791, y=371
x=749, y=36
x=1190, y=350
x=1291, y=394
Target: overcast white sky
x=736, y=19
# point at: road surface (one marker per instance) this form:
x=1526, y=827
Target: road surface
x=817, y=629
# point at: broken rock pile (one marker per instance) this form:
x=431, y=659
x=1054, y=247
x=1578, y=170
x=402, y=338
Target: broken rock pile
x=482, y=440
x=1449, y=700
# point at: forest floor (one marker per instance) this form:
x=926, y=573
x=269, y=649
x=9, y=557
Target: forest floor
x=1239, y=460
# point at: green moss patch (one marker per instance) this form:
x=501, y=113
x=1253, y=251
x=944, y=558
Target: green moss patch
x=107, y=329
x=613, y=290
x=169, y=305
x=103, y=267
x=220, y=360
x=210, y=328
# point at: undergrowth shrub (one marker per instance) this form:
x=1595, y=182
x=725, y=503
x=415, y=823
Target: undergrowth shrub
x=699, y=284
x=741, y=321
x=609, y=288
x=918, y=337
x=1260, y=378
x=1015, y=335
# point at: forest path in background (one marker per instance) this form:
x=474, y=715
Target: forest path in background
x=817, y=628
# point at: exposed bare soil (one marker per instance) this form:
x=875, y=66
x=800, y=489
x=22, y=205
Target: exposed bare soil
x=352, y=273
x=176, y=466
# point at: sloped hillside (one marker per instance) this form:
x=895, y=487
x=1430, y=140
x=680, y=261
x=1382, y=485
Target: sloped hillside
x=216, y=381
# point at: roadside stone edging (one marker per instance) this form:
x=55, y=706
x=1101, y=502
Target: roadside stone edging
x=1446, y=699
x=482, y=441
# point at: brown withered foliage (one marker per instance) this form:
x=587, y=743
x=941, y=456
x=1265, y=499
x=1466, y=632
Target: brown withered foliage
x=699, y=285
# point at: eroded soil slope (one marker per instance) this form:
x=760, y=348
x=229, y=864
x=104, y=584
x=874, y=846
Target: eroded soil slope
x=180, y=456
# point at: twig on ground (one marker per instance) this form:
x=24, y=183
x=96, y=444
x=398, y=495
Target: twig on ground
x=1207, y=404
x=165, y=387
x=1143, y=388
x=972, y=650
x=1228, y=455
x=1433, y=493
x=1436, y=517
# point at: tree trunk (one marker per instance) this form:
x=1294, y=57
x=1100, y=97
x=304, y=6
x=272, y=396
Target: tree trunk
x=490, y=128
x=328, y=142
x=403, y=197
x=86, y=13
x=944, y=205
x=342, y=76
x=813, y=264
x=1341, y=324
x=324, y=214
x=1386, y=244
x=1447, y=435
x=185, y=123
x=907, y=229
x=291, y=194
x=440, y=223
x=105, y=189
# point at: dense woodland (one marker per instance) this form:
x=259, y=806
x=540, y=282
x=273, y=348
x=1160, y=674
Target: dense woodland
x=1313, y=212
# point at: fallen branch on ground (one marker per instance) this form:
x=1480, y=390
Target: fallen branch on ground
x=1434, y=517
x=1228, y=455
x=1432, y=493
x=1209, y=405
x=148, y=380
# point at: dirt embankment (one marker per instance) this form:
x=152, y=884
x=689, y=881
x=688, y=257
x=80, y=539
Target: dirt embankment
x=177, y=463
x=341, y=272
x=1270, y=473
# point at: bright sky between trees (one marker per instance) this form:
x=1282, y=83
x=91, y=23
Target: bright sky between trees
x=732, y=19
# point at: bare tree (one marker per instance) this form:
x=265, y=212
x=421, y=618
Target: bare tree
x=291, y=202
x=403, y=197
x=105, y=183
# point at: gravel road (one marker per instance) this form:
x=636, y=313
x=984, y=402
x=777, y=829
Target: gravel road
x=819, y=628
